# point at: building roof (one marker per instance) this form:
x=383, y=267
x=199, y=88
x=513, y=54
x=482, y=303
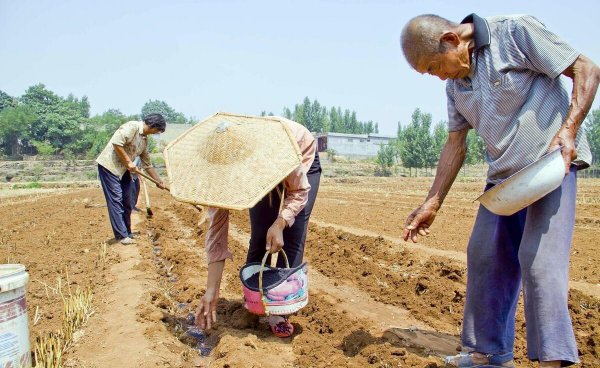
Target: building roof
x=357, y=136
x=387, y=136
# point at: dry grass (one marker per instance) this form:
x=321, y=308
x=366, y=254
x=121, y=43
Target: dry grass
x=102, y=253
x=77, y=309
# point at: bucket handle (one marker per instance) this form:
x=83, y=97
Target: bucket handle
x=260, y=277
x=264, y=260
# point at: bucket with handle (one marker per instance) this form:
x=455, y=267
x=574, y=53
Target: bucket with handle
x=272, y=290
x=14, y=331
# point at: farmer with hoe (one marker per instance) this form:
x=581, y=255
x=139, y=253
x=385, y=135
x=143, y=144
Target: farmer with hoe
x=270, y=229
x=503, y=80
x=116, y=164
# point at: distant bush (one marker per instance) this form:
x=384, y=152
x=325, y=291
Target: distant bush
x=385, y=160
x=31, y=185
x=91, y=174
x=43, y=148
x=331, y=154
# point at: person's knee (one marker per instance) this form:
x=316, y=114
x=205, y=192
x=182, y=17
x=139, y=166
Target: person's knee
x=480, y=259
x=536, y=272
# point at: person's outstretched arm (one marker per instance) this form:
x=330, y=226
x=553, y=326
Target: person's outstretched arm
x=451, y=160
x=217, y=252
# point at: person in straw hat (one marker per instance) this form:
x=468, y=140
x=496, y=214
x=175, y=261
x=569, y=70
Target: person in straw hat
x=116, y=164
x=270, y=229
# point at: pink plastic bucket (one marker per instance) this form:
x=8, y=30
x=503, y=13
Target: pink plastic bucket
x=286, y=295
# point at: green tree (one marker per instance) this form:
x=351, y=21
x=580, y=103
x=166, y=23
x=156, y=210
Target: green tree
x=318, y=118
x=58, y=121
x=416, y=142
x=592, y=129
x=354, y=125
x=161, y=107
x=287, y=113
x=100, y=129
x=385, y=159
x=440, y=136
x=7, y=101
x=84, y=107
x=14, y=129
x=43, y=148
x=334, y=120
x=298, y=115
x=475, y=149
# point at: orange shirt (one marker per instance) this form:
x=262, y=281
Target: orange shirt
x=296, y=195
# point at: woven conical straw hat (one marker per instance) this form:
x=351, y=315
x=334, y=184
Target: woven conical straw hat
x=231, y=161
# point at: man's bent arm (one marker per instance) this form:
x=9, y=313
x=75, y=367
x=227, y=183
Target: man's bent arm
x=451, y=160
x=586, y=77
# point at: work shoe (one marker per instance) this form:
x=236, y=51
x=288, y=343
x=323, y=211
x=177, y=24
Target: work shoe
x=281, y=327
x=127, y=241
x=478, y=360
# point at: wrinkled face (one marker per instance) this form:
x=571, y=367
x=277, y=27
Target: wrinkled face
x=454, y=64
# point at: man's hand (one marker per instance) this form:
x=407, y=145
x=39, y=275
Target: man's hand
x=419, y=220
x=275, y=236
x=161, y=185
x=565, y=138
x=206, y=314
x=132, y=167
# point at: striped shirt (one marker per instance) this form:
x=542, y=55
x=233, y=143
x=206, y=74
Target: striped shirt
x=515, y=99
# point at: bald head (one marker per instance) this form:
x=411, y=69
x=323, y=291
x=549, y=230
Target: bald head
x=421, y=37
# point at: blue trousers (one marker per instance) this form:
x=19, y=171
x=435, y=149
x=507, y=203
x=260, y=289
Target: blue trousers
x=530, y=249
x=117, y=192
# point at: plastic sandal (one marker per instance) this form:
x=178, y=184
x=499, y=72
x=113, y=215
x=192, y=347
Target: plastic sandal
x=281, y=327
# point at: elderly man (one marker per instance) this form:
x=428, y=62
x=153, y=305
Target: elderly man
x=504, y=81
x=116, y=164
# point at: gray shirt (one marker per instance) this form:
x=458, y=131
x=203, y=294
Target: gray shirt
x=515, y=99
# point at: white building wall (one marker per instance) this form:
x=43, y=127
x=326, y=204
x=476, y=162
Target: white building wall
x=356, y=145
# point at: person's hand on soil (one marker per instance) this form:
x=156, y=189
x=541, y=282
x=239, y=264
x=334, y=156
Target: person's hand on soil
x=565, y=138
x=206, y=315
x=419, y=221
x=275, y=236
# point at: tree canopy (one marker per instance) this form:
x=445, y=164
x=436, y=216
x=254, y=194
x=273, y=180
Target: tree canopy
x=420, y=146
x=161, y=107
x=42, y=122
x=321, y=119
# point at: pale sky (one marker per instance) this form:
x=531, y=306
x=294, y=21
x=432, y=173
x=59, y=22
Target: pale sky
x=246, y=56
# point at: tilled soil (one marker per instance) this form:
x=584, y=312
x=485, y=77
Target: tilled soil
x=373, y=301
x=60, y=242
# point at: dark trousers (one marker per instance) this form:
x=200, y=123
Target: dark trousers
x=117, y=192
x=266, y=211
